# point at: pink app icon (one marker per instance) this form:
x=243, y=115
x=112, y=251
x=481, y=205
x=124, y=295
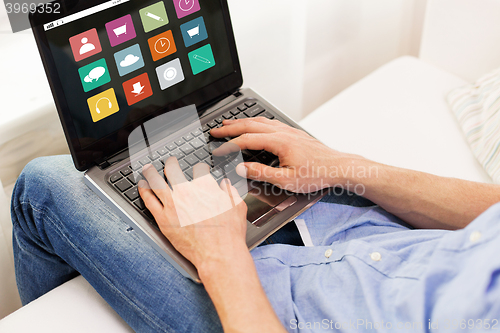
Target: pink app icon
x=85, y=45
x=120, y=30
x=186, y=7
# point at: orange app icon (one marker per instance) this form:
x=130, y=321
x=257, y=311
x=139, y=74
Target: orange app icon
x=137, y=89
x=162, y=45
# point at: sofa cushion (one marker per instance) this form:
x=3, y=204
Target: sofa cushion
x=399, y=116
x=477, y=108
x=73, y=307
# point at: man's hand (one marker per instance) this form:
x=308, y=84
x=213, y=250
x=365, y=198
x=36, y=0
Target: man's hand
x=203, y=221
x=306, y=165
x=207, y=224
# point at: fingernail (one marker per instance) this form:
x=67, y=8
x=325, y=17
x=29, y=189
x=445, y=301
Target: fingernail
x=242, y=170
x=228, y=121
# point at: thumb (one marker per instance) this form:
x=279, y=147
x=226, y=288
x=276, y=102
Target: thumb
x=264, y=173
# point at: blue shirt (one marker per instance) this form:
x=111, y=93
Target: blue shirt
x=369, y=272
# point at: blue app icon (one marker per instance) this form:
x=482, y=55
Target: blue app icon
x=194, y=31
x=129, y=60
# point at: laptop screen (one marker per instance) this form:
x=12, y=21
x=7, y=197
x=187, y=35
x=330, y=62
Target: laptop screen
x=115, y=64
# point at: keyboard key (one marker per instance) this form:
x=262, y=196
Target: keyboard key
x=136, y=166
x=162, y=152
x=126, y=171
x=154, y=156
x=183, y=165
x=123, y=185
x=192, y=160
x=158, y=165
x=227, y=115
x=212, y=124
x=188, y=137
x=198, y=132
x=242, y=107
x=217, y=173
x=255, y=111
x=132, y=194
x=205, y=128
x=187, y=149
x=115, y=177
x=197, y=143
x=177, y=154
x=179, y=142
x=140, y=204
x=171, y=146
x=189, y=173
x=219, y=119
x=241, y=116
x=250, y=103
x=234, y=112
x=268, y=115
x=132, y=178
x=265, y=158
x=164, y=158
x=145, y=161
x=233, y=177
x=201, y=154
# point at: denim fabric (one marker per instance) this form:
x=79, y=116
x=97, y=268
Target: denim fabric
x=367, y=269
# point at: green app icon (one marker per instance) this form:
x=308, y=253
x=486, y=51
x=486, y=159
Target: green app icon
x=153, y=16
x=201, y=59
x=94, y=75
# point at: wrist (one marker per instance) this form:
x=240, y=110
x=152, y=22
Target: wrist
x=232, y=258
x=354, y=171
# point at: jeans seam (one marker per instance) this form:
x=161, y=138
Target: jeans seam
x=127, y=298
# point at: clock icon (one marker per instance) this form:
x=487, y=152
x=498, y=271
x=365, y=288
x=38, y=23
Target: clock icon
x=186, y=5
x=162, y=45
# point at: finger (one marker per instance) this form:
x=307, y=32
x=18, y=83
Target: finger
x=231, y=191
x=200, y=170
x=173, y=172
x=264, y=173
x=270, y=142
x=156, y=183
x=150, y=200
x=241, y=126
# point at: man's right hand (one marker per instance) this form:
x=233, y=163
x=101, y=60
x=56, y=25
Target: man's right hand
x=306, y=165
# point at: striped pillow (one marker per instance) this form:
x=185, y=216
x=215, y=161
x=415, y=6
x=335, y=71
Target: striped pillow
x=477, y=108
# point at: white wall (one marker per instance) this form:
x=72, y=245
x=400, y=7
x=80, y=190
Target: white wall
x=299, y=54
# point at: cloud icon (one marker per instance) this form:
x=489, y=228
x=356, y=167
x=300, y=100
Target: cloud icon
x=129, y=60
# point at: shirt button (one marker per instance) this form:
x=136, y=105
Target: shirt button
x=328, y=253
x=475, y=236
x=376, y=256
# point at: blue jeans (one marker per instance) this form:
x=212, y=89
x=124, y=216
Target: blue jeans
x=62, y=229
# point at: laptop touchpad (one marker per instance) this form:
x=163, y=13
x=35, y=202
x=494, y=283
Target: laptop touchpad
x=264, y=201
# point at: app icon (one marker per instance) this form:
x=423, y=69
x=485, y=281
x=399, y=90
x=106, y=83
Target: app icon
x=186, y=7
x=201, y=59
x=85, y=44
x=129, y=60
x=162, y=45
x=137, y=89
x=170, y=74
x=153, y=16
x=194, y=31
x=103, y=105
x=94, y=75
x=120, y=30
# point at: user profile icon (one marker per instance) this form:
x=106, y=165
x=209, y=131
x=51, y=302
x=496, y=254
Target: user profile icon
x=170, y=74
x=85, y=45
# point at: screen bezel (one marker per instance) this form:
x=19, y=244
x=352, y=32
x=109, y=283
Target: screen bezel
x=105, y=148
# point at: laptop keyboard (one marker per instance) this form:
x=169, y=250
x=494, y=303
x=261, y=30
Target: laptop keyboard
x=190, y=149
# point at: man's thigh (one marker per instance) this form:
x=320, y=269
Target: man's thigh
x=55, y=208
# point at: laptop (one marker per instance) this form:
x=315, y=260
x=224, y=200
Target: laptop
x=121, y=67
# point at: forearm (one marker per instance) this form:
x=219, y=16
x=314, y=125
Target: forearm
x=234, y=287
x=424, y=200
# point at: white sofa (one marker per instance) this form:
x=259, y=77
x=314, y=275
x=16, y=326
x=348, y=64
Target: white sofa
x=397, y=115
